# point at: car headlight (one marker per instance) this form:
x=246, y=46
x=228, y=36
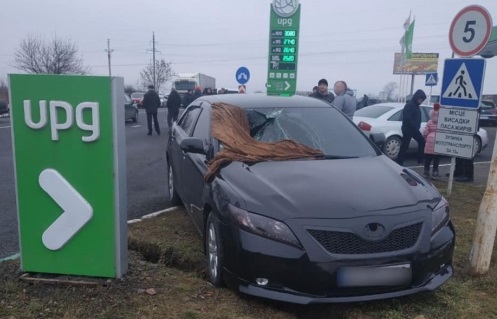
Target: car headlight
x=440, y=216
x=264, y=226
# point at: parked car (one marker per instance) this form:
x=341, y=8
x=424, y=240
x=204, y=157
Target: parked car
x=350, y=225
x=488, y=113
x=130, y=109
x=163, y=99
x=137, y=97
x=4, y=109
x=386, y=118
x=369, y=101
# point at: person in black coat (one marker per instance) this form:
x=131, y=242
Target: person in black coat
x=151, y=102
x=322, y=92
x=411, y=122
x=173, y=105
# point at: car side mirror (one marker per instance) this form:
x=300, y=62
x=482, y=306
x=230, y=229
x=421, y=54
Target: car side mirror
x=378, y=138
x=192, y=145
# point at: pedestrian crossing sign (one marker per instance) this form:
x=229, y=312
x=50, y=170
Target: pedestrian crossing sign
x=462, y=83
x=431, y=79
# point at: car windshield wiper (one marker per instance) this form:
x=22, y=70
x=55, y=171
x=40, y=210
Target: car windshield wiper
x=326, y=156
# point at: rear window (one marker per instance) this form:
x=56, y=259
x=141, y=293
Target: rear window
x=137, y=95
x=373, y=111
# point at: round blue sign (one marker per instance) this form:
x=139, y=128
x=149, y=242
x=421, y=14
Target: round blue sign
x=242, y=75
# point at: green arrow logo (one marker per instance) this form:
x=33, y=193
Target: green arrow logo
x=77, y=211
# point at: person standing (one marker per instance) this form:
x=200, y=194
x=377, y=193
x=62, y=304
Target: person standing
x=151, y=102
x=197, y=94
x=173, y=105
x=344, y=101
x=322, y=92
x=429, y=135
x=411, y=122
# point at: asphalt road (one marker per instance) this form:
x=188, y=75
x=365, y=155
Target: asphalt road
x=146, y=175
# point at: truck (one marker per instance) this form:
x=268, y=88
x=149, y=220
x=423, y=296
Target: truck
x=189, y=81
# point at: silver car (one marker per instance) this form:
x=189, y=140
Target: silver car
x=386, y=118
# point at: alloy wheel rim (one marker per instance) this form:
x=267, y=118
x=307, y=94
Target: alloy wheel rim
x=171, y=183
x=213, y=257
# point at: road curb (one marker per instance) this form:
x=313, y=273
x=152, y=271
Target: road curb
x=153, y=215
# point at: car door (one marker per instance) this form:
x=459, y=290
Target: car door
x=194, y=167
x=129, y=110
x=180, y=131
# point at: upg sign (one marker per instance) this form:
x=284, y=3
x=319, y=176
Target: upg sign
x=55, y=122
x=68, y=134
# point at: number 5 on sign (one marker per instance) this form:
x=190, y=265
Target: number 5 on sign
x=470, y=31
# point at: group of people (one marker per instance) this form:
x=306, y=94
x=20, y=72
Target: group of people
x=151, y=102
x=411, y=123
x=344, y=99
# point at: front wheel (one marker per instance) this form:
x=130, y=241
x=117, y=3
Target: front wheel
x=173, y=195
x=214, y=249
x=391, y=147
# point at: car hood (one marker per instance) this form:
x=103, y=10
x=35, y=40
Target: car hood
x=344, y=188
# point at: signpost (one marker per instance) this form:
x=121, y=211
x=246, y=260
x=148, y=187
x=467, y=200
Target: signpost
x=69, y=153
x=461, y=95
x=470, y=31
x=242, y=75
x=431, y=81
x=283, y=47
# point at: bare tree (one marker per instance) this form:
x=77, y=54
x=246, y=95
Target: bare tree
x=130, y=89
x=56, y=56
x=390, y=88
x=163, y=74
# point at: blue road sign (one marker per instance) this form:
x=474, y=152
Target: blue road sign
x=462, y=82
x=242, y=75
x=431, y=79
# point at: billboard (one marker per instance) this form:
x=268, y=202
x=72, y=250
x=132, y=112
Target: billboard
x=421, y=63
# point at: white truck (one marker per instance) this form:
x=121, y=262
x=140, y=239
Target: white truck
x=189, y=81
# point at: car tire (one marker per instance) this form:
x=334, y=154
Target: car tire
x=391, y=147
x=173, y=195
x=214, y=251
x=478, y=145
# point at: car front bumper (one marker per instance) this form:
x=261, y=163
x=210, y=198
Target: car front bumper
x=294, y=277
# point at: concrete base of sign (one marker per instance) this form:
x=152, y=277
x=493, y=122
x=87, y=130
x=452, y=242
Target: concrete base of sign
x=50, y=279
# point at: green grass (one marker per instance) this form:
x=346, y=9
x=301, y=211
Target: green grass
x=166, y=254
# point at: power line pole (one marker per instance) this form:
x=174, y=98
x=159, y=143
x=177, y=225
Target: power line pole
x=153, y=50
x=109, y=51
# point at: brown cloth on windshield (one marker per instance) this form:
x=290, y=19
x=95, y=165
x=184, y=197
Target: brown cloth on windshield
x=231, y=127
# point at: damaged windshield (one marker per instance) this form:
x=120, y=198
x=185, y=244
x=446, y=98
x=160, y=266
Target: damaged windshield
x=322, y=128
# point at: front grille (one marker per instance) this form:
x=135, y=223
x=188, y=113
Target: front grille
x=350, y=244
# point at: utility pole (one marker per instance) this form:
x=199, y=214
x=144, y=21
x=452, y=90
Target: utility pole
x=154, y=72
x=109, y=51
x=153, y=50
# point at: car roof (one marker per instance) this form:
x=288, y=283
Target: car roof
x=396, y=105
x=255, y=100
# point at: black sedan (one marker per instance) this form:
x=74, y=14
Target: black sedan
x=351, y=225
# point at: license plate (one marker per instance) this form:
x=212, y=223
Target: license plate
x=392, y=275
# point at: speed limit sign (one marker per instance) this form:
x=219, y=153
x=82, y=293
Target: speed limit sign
x=470, y=31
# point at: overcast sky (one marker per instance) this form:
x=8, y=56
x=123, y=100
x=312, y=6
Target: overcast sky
x=353, y=41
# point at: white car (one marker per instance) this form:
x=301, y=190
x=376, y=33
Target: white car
x=386, y=118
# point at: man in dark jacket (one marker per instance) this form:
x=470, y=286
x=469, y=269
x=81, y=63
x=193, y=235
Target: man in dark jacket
x=411, y=122
x=197, y=93
x=323, y=92
x=173, y=105
x=151, y=101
